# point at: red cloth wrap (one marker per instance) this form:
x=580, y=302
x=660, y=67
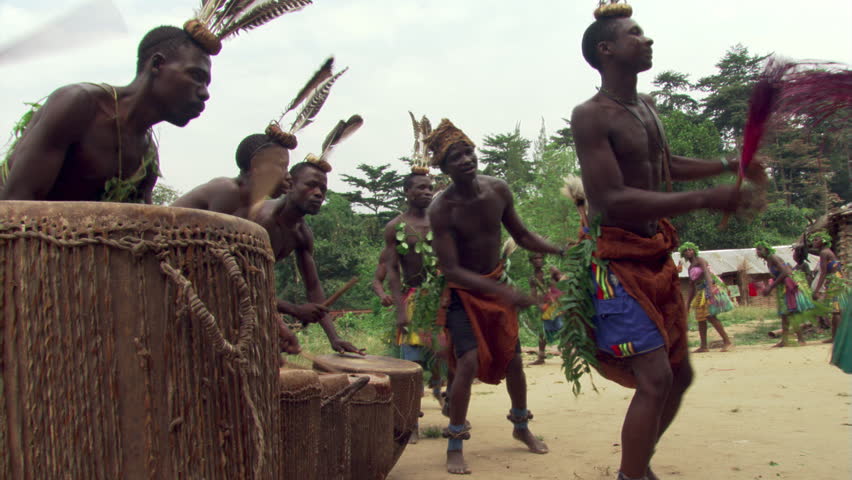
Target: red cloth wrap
x=495, y=325
x=646, y=271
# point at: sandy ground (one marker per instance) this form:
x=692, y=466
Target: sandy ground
x=754, y=413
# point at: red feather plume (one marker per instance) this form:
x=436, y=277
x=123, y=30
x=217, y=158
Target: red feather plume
x=764, y=100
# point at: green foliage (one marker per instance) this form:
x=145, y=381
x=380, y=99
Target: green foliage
x=729, y=90
x=691, y=136
x=164, y=194
x=669, y=97
x=576, y=308
x=504, y=155
x=378, y=190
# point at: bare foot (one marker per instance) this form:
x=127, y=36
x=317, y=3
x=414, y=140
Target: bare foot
x=456, y=464
x=727, y=347
x=539, y=360
x=802, y=341
x=415, y=437
x=780, y=344
x=534, y=444
x=701, y=350
x=828, y=340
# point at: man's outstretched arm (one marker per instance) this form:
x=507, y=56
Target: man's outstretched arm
x=516, y=228
x=604, y=182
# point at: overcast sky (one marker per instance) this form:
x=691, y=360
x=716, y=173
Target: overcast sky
x=485, y=64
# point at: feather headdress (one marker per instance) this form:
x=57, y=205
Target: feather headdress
x=613, y=9
x=313, y=95
x=340, y=132
x=444, y=137
x=573, y=189
x=217, y=20
x=421, y=158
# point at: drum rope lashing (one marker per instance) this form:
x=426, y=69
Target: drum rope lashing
x=247, y=312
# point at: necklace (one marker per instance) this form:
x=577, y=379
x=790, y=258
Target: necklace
x=632, y=101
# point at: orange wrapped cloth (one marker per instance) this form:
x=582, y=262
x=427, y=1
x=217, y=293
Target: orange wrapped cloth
x=646, y=271
x=494, y=323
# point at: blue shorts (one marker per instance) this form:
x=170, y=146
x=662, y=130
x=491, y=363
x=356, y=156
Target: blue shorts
x=461, y=330
x=412, y=353
x=551, y=329
x=622, y=328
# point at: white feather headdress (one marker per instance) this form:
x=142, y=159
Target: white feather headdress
x=421, y=157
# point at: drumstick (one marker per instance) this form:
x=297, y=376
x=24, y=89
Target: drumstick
x=345, y=288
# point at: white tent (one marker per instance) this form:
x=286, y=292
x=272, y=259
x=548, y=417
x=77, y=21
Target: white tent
x=729, y=261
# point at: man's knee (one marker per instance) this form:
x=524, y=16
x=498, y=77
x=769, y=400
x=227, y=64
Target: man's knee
x=468, y=363
x=655, y=382
x=682, y=376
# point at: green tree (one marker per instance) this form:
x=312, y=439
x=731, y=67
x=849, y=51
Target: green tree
x=164, y=194
x=670, y=95
x=564, y=137
x=728, y=91
x=379, y=189
x=505, y=156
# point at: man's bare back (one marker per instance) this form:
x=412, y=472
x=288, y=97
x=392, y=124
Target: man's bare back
x=285, y=237
x=218, y=195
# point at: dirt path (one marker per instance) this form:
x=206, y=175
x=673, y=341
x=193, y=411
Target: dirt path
x=754, y=413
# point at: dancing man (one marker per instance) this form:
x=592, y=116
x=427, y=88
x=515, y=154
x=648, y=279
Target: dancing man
x=708, y=296
x=641, y=320
x=478, y=308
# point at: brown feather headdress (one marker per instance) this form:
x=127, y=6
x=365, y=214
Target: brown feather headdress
x=421, y=158
x=613, y=9
x=217, y=20
x=444, y=137
x=340, y=132
x=313, y=95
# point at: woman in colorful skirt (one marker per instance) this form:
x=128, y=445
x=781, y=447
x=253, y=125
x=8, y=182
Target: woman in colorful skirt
x=708, y=296
x=792, y=293
x=831, y=286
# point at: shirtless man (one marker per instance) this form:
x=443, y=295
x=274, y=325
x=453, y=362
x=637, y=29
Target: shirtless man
x=284, y=220
x=86, y=135
x=466, y=223
x=257, y=155
x=624, y=159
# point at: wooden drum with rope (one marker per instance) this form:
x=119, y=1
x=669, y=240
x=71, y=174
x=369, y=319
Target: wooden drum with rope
x=136, y=342
x=371, y=423
x=406, y=380
x=336, y=428
x=301, y=397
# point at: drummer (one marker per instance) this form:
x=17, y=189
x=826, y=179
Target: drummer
x=95, y=141
x=257, y=155
x=284, y=220
x=480, y=310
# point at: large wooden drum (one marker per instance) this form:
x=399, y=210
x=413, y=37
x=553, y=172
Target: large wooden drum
x=336, y=431
x=301, y=397
x=137, y=342
x=371, y=423
x=407, y=383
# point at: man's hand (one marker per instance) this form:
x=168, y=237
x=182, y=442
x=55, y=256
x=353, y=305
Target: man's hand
x=755, y=173
x=287, y=339
x=342, y=346
x=521, y=300
x=728, y=198
x=386, y=299
x=309, y=312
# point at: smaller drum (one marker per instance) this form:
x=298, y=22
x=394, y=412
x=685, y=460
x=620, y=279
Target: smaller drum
x=371, y=422
x=406, y=380
x=335, y=428
x=301, y=396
